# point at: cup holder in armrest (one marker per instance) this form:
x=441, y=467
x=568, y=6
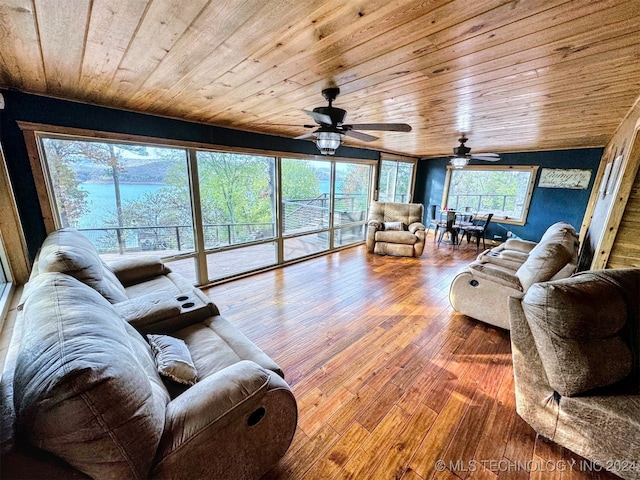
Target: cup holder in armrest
x=189, y=302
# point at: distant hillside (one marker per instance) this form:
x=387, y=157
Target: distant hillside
x=149, y=172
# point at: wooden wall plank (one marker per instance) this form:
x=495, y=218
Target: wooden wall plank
x=62, y=30
x=21, y=61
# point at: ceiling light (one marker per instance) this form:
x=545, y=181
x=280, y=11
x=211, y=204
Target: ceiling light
x=459, y=162
x=328, y=142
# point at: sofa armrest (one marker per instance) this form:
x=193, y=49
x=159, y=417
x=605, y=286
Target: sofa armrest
x=495, y=273
x=148, y=309
x=138, y=269
x=415, y=226
x=376, y=224
x=519, y=245
x=536, y=401
x=194, y=417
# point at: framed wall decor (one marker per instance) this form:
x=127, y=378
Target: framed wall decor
x=573, y=178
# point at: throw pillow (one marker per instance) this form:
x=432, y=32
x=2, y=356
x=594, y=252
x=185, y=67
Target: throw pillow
x=173, y=359
x=394, y=226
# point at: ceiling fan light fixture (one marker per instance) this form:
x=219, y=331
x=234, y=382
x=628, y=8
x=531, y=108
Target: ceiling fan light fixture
x=459, y=162
x=328, y=142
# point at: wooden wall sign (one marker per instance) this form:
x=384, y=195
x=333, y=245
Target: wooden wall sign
x=564, y=178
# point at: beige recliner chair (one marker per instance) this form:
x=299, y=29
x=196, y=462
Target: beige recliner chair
x=396, y=229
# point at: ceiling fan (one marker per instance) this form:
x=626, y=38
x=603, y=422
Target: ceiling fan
x=332, y=128
x=462, y=155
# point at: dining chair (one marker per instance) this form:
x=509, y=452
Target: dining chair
x=478, y=230
x=451, y=228
x=432, y=222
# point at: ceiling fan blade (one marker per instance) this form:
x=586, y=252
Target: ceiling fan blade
x=305, y=135
x=388, y=127
x=486, y=158
x=360, y=136
x=322, y=118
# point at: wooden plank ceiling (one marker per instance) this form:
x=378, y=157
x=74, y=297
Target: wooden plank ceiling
x=512, y=75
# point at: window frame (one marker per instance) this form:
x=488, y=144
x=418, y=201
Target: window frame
x=385, y=157
x=533, y=169
x=34, y=132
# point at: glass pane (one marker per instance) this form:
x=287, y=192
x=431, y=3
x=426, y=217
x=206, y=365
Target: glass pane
x=297, y=247
x=403, y=182
x=125, y=198
x=351, y=193
x=306, y=191
x=388, y=172
x=349, y=235
x=237, y=195
x=226, y=263
x=498, y=191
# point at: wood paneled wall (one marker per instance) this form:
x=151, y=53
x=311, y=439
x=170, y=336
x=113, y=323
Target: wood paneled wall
x=612, y=221
x=626, y=247
x=11, y=233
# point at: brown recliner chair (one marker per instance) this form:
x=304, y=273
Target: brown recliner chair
x=396, y=229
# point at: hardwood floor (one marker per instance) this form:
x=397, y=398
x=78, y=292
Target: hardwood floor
x=390, y=381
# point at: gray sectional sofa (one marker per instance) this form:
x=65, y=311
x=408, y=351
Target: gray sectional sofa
x=576, y=359
x=482, y=289
x=86, y=394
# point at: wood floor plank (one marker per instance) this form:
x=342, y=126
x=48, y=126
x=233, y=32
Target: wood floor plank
x=388, y=378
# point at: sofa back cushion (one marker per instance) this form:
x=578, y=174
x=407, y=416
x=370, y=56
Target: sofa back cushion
x=407, y=213
x=68, y=251
x=581, y=326
x=557, y=251
x=85, y=384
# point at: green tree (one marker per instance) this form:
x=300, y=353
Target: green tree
x=234, y=190
x=300, y=180
x=71, y=200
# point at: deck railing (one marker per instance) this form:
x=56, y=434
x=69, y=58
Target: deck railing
x=483, y=203
x=298, y=214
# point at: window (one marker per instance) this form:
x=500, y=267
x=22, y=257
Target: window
x=5, y=283
x=126, y=198
x=212, y=214
x=396, y=181
x=503, y=191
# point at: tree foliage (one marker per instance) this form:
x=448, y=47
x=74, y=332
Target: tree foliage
x=502, y=191
x=71, y=200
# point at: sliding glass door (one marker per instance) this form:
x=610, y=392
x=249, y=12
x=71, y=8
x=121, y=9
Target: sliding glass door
x=211, y=214
x=237, y=203
x=306, y=206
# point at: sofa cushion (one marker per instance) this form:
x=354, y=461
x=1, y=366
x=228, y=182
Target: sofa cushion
x=68, y=251
x=549, y=257
x=576, y=323
x=405, y=237
x=215, y=344
x=519, y=245
x=85, y=384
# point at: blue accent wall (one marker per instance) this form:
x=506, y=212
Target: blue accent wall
x=548, y=205
x=38, y=109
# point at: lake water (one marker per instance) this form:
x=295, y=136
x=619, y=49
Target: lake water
x=102, y=200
